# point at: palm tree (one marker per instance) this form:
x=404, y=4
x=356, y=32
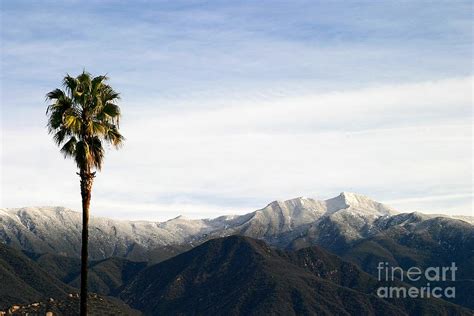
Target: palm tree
x=82, y=118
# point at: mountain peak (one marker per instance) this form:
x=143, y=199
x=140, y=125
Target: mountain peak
x=350, y=200
x=177, y=218
x=303, y=206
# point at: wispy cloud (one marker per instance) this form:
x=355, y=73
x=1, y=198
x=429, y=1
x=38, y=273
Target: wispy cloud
x=230, y=105
x=390, y=141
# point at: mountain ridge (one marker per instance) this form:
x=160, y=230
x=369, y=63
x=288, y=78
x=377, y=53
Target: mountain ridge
x=240, y=275
x=232, y=275
x=349, y=198
x=333, y=223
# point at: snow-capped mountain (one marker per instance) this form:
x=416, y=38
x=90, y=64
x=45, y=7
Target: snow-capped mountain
x=295, y=223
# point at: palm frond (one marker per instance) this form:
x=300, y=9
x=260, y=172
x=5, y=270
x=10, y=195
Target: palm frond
x=85, y=82
x=97, y=152
x=110, y=113
x=82, y=155
x=72, y=121
x=55, y=120
x=70, y=83
x=55, y=94
x=69, y=148
x=114, y=137
x=60, y=136
x=109, y=94
x=97, y=83
x=96, y=128
x=56, y=113
x=61, y=100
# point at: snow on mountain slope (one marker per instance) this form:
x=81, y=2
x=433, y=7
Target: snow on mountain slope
x=468, y=219
x=43, y=229
x=299, y=221
x=281, y=221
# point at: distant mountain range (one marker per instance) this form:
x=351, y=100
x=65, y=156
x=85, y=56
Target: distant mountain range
x=306, y=245
x=333, y=223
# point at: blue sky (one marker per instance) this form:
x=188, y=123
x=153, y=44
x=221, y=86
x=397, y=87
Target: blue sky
x=229, y=105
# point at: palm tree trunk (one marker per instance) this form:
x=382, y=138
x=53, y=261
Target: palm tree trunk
x=87, y=179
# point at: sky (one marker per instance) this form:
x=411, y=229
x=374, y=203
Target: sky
x=229, y=105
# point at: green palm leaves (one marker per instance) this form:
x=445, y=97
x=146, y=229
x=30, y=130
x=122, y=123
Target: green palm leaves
x=83, y=117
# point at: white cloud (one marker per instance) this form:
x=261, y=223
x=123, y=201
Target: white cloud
x=388, y=142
